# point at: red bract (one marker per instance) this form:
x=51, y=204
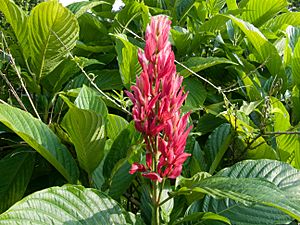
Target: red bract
x=157, y=98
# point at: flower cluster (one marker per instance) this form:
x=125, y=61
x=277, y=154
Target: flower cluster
x=157, y=98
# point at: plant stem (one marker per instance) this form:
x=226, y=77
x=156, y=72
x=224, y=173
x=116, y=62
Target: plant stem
x=155, y=209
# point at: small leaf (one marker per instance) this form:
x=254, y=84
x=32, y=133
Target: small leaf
x=127, y=59
x=197, y=64
x=79, y=8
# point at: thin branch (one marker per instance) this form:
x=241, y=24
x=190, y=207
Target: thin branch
x=13, y=91
x=280, y=133
x=91, y=81
x=13, y=63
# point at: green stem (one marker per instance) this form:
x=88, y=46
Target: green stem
x=155, y=209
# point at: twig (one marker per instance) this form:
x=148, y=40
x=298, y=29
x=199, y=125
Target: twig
x=280, y=133
x=87, y=76
x=13, y=91
x=13, y=63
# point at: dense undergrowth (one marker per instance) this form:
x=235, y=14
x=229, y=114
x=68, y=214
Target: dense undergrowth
x=67, y=139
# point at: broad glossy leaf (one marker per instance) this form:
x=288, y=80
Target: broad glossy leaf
x=79, y=8
x=281, y=21
x=200, y=217
x=245, y=191
x=231, y=4
x=296, y=65
x=266, y=50
x=127, y=60
x=90, y=100
x=214, y=6
x=281, y=174
x=15, y=174
x=65, y=205
x=122, y=145
x=182, y=8
x=18, y=21
x=36, y=134
x=258, y=12
x=53, y=31
x=86, y=130
x=217, y=144
x=287, y=144
x=197, y=94
x=197, y=64
x=115, y=125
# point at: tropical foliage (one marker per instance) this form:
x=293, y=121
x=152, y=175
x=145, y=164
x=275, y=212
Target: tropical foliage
x=68, y=139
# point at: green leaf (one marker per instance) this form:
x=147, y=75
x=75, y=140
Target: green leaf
x=245, y=191
x=15, y=174
x=296, y=65
x=121, y=147
x=258, y=12
x=231, y=4
x=201, y=216
x=197, y=64
x=79, y=8
x=197, y=94
x=217, y=144
x=115, y=125
x=214, y=6
x=65, y=205
x=127, y=60
x=90, y=100
x=17, y=18
x=53, y=31
x=182, y=8
x=87, y=132
x=281, y=174
x=267, y=51
x=36, y=134
x=282, y=21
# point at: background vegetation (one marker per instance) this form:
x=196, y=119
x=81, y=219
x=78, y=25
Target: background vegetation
x=66, y=135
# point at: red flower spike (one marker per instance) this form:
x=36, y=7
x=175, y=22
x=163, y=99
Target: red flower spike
x=157, y=98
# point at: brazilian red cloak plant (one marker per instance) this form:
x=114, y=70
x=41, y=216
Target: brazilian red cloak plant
x=157, y=98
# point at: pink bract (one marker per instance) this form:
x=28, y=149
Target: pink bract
x=157, y=98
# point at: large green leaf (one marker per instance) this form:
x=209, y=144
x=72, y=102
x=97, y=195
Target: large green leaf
x=36, y=134
x=200, y=217
x=65, y=205
x=266, y=50
x=214, y=6
x=79, y=8
x=15, y=174
x=87, y=132
x=281, y=174
x=182, y=8
x=127, y=59
x=287, y=144
x=197, y=64
x=247, y=191
x=17, y=19
x=258, y=12
x=115, y=125
x=197, y=94
x=90, y=100
x=283, y=20
x=296, y=65
x=53, y=31
x=217, y=144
